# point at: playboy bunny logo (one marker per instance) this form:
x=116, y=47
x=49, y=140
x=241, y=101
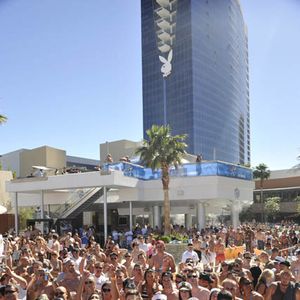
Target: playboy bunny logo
x=166, y=68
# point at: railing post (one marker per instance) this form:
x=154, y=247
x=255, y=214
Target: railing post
x=16, y=214
x=105, y=212
x=130, y=215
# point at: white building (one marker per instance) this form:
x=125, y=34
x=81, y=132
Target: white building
x=121, y=191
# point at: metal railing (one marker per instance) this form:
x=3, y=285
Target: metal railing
x=76, y=198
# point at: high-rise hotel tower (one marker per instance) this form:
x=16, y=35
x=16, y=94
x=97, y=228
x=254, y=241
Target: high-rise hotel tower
x=195, y=74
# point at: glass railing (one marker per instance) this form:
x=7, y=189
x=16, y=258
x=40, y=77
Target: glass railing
x=214, y=168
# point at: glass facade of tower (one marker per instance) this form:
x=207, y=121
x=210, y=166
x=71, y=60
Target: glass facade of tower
x=195, y=74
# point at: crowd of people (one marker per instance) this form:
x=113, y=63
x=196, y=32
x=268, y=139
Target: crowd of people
x=75, y=266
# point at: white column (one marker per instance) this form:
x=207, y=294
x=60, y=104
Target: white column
x=156, y=216
x=105, y=212
x=201, y=217
x=235, y=209
x=188, y=220
x=42, y=210
x=16, y=214
x=42, y=204
x=151, y=219
x=130, y=215
x=235, y=213
x=48, y=210
x=87, y=218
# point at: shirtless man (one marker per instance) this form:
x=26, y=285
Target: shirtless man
x=220, y=251
x=232, y=287
x=114, y=264
x=295, y=267
x=162, y=261
x=55, y=245
x=261, y=239
x=197, y=245
x=67, y=240
x=198, y=291
x=239, y=237
x=39, y=285
x=71, y=277
x=168, y=286
x=283, y=288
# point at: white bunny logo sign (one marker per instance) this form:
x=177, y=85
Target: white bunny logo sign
x=166, y=68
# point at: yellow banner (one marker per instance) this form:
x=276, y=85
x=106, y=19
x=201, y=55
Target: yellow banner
x=232, y=253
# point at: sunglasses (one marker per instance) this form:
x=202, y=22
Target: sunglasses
x=98, y=267
x=10, y=292
x=89, y=281
x=106, y=290
x=60, y=293
x=247, y=283
x=192, y=276
x=229, y=288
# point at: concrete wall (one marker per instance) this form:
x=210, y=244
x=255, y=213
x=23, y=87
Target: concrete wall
x=11, y=161
x=42, y=156
x=33, y=199
x=191, y=189
x=118, y=149
x=4, y=196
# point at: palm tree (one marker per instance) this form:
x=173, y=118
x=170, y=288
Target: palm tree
x=161, y=151
x=262, y=173
x=3, y=119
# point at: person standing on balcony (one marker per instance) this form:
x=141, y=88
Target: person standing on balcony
x=199, y=158
x=109, y=158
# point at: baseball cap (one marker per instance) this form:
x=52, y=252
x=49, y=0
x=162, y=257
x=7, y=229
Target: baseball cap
x=159, y=296
x=184, y=286
x=206, y=277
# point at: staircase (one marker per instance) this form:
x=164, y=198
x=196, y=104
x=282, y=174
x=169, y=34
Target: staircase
x=82, y=204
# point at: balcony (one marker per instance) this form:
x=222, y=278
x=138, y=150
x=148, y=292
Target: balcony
x=210, y=168
x=164, y=47
x=163, y=24
x=163, y=13
x=165, y=3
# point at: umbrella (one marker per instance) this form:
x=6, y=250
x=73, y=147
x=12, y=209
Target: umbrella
x=3, y=209
x=42, y=168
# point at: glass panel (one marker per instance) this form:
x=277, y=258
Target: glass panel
x=192, y=169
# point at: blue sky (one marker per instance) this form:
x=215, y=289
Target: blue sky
x=70, y=76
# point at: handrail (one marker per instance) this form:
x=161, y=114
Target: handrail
x=78, y=203
x=75, y=197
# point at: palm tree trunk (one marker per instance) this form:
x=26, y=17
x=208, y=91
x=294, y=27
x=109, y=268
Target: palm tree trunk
x=167, y=212
x=263, y=205
x=262, y=201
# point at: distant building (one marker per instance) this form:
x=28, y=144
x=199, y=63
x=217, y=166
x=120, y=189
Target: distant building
x=118, y=149
x=198, y=191
x=195, y=74
x=284, y=184
x=22, y=161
